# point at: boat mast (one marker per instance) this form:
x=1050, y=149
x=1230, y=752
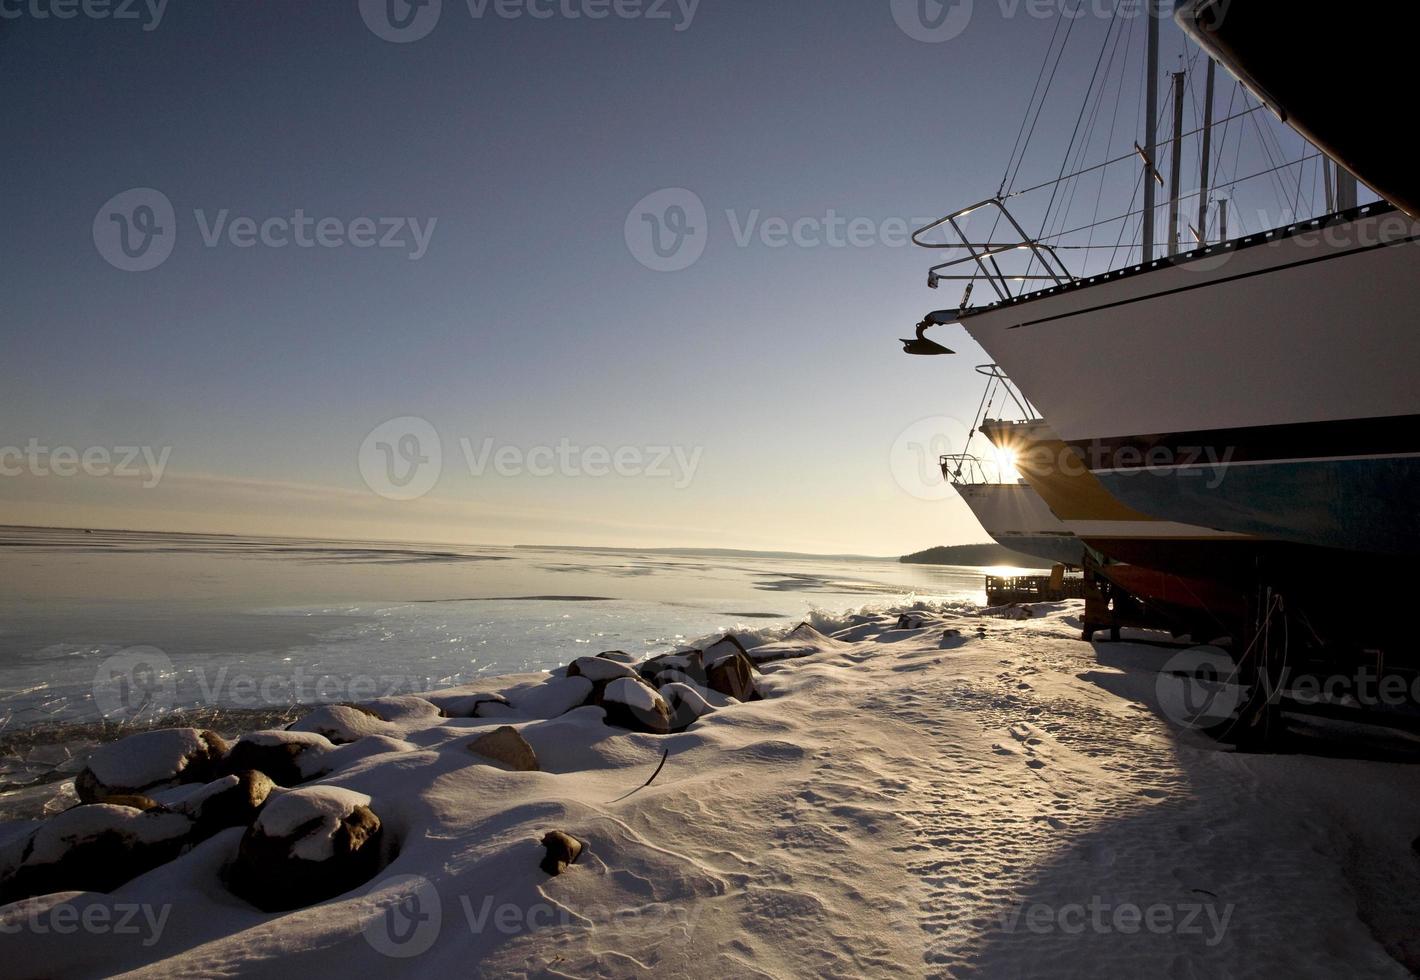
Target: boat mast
x=1151, y=124
x=1345, y=189
x=1205, y=173
x=1176, y=164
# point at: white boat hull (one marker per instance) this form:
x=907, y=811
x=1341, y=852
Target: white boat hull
x=1249, y=390
x=1015, y=517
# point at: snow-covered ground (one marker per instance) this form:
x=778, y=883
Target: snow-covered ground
x=972, y=795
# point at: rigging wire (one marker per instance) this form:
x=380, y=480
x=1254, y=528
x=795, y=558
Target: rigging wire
x=1045, y=93
x=1072, y=191
x=1026, y=118
x=1064, y=165
x=1127, y=40
x=1131, y=155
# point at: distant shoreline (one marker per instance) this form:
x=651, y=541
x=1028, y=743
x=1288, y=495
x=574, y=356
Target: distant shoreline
x=592, y=549
x=972, y=555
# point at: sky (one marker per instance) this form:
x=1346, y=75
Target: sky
x=505, y=272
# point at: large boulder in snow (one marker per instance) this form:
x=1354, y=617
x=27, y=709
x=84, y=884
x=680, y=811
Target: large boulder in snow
x=232, y=801
x=686, y=704
x=723, y=647
x=620, y=656
x=150, y=760
x=733, y=675
x=803, y=641
x=341, y=723
x=289, y=758
x=634, y=704
x=597, y=669
x=553, y=697
x=306, y=846
x=507, y=746
x=729, y=670
x=485, y=704
x=404, y=707
x=688, y=662
x=95, y=847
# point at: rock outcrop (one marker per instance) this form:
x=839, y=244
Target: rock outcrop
x=729, y=670
x=505, y=745
x=553, y=697
x=688, y=662
x=634, y=704
x=232, y=801
x=685, y=703
x=341, y=723
x=306, y=846
x=150, y=760
x=288, y=758
x=96, y=847
x=596, y=669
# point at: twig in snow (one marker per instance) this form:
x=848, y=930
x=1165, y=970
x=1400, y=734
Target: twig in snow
x=664, y=756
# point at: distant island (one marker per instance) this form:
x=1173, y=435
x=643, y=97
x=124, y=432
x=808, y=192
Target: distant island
x=984, y=555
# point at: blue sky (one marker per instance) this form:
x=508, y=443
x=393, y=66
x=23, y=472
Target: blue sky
x=520, y=145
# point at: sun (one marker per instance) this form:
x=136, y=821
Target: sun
x=1005, y=460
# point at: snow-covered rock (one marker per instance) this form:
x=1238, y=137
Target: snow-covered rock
x=95, y=847
x=232, y=801
x=472, y=705
x=149, y=760
x=727, y=646
x=289, y=758
x=634, y=704
x=551, y=698
x=341, y=723
x=732, y=674
x=620, y=656
x=597, y=669
x=690, y=662
x=403, y=707
x=803, y=641
x=915, y=621
x=506, y=746
x=307, y=845
x=685, y=703
x=712, y=697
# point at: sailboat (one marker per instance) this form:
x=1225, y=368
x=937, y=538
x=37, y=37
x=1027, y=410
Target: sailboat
x=1261, y=387
x=1003, y=502
x=1012, y=513
x=1127, y=545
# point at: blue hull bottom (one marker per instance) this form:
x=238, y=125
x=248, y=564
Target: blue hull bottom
x=1359, y=505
